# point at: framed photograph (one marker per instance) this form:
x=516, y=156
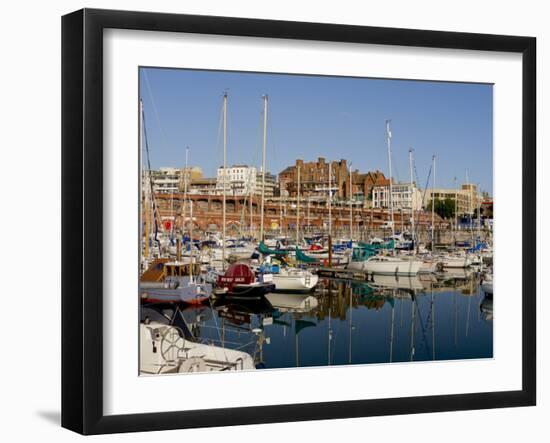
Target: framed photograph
x=269, y=221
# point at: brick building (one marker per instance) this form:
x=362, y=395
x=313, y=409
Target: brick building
x=314, y=178
x=362, y=185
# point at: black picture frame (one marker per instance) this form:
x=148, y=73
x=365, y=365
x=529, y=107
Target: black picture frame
x=82, y=219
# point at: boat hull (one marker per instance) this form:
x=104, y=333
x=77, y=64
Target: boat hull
x=295, y=283
x=393, y=267
x=250, y=291
x=455, y=262
x=190, y=293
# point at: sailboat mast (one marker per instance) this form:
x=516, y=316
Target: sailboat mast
x=350, y=204
x=185, y=177
x=145, y=200
x=392, y=327
x=456, y=207
x=263, y=170
x=224, y=174
x=478, y=212
x=251, y=193
x=469, y=198
x=308, y=213
x=190, y=240
x=388, y=133
x=412, y=194
x=433, y=201
x=280, y=206
x=330, y=198
x=298, y=208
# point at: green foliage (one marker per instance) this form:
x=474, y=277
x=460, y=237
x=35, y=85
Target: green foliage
x=444, y=208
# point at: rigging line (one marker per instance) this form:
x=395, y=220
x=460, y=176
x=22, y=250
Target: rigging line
x=163, y=136
x=153, y=200
x=394, y=163
x=416, y=228
x=272, y=141
x=154, y=106
x=216, y=323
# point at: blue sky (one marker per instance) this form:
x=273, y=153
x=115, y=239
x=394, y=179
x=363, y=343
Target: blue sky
x=315, y=116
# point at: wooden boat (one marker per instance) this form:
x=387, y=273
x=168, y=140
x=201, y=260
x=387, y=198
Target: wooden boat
x=173, y=281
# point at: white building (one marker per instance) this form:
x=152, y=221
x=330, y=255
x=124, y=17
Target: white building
x=466, y=198
x=244, y=180
x=404, y=196
x=239, y=179
x=166, y=180
x=171, y=180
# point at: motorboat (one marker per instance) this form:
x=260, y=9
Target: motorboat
x=174, y=281
x=239, y=281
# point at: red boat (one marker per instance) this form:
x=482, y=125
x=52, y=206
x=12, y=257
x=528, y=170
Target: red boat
x=240, y=282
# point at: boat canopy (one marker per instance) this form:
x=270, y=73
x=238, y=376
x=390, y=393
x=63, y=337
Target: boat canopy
x=360, y=253
x=375, y=246
x=300, y=256
x=267, y=251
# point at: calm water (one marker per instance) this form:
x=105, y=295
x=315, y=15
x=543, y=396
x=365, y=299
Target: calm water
x=342, y=322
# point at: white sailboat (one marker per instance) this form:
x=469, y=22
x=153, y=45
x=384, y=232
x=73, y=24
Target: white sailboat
x=380, y=264
x=455, y=260
x=164, y=350
x=294, y=280
x=390, y=265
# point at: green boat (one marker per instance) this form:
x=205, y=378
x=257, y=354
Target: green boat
x=300, y=256
x=267, y=251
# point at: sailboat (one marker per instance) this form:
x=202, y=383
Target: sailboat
x=287, y=278
x=456, y=260
x=290, y=279
x=391, y=264
x=167, y=346
x=171, y=281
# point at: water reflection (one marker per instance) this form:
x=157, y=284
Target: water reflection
x=387, y=319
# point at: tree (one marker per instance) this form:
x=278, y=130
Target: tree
x=444, y=208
